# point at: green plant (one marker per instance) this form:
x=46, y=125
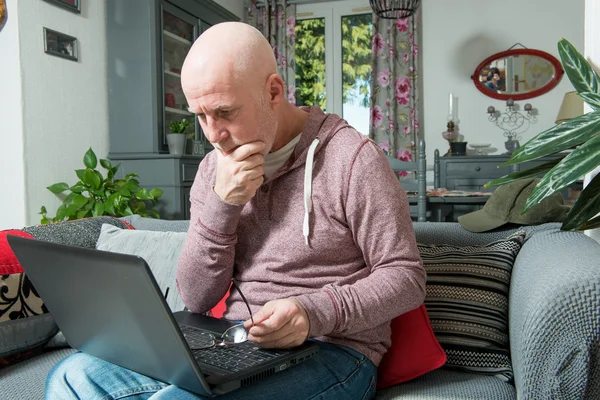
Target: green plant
x=180, y=126
x=94, y=195
x=581, y=135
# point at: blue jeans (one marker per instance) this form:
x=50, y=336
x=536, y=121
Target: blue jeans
x=336, y=372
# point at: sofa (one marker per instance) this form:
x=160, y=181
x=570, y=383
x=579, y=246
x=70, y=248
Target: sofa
x=553, y=322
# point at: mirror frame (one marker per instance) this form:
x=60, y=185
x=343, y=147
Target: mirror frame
x=519, y=96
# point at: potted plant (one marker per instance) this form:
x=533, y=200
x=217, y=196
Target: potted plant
x=94, y=195
x=580, y=136
x=177, y=139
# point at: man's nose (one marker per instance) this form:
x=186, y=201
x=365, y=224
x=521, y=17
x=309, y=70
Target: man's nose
x=214, y=130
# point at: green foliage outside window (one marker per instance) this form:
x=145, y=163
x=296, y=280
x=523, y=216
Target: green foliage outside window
x=357, y=31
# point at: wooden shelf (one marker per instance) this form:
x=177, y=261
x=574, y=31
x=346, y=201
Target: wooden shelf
x=176, y=38
x=177, y=111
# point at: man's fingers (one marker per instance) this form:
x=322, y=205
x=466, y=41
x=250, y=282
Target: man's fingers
x=290, y=339
x=263, y=314
x=246, y=150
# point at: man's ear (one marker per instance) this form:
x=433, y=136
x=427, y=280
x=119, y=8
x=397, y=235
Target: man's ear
x=276, y=90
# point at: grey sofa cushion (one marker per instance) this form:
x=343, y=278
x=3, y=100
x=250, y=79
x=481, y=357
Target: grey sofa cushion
x=151, y=224
x=453, y=233
x=450, y=385
x=160, y=250
x=26, y=333
x=26, y=380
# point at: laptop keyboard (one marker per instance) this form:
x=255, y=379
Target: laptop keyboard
x=233, y=358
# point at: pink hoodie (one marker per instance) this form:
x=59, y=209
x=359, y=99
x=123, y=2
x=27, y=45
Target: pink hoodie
x=354, y=264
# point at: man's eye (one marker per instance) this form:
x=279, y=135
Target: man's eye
x=225, y=113
x=202, y=116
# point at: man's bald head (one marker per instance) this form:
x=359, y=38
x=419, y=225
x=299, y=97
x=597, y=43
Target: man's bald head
x=231, y=50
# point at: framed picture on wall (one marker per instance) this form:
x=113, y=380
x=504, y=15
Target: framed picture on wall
x=60, y=45
x=71, y=5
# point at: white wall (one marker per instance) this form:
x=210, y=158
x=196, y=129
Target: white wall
x=12, y=165
x=458, y=35
x=233, y=6
x=64, y=102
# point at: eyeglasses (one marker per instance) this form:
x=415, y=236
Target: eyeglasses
x=234, y=335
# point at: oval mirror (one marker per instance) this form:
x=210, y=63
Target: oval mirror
x=517, y=74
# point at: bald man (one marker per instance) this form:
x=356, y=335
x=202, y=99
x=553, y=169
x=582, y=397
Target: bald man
x=303, y=212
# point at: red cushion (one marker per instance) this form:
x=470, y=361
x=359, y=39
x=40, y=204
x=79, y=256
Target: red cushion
x=8, y=261
x=218, y=310
x=414, y=351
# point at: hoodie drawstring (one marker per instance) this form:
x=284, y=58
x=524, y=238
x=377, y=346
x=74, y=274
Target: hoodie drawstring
x=310, y=157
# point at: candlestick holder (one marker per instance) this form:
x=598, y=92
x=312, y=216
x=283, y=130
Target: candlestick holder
x=512, y=122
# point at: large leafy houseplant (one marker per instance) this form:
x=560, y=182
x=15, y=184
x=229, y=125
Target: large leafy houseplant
x=94, y=195
x=579, y=135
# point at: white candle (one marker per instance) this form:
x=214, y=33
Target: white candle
x=455, y=109
x=450, y=106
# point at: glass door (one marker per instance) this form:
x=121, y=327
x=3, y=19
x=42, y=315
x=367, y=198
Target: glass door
x=179, y=30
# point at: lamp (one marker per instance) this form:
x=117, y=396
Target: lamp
x=393, y=9
x=571, y=107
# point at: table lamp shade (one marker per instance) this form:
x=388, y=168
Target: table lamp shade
x=571, y=107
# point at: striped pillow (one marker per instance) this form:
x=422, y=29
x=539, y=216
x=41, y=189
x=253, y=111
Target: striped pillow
x=467, y=302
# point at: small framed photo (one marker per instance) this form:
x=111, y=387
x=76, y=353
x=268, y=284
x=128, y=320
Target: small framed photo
x=60, y=45
x=71, y=5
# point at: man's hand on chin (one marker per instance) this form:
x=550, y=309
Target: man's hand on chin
x=240, y=173
x=279, y=324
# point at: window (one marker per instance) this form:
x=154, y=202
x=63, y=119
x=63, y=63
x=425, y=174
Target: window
x=333, y=58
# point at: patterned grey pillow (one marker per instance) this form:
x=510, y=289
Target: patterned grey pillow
x=467, y=302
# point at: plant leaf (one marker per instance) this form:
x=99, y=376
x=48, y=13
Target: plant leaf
x=89, y=159
x=558, y=138
x=592, y=99
x=152, y=213
x=80, y=173
x=98, y=210
x=586, y=206
x=532, y=172
x=69, y=198
x=78, y=187
x=106, y=164
x=61, y=213
x=591, y=224
x=580, y=72
x=58, y=187
x=80, y=200
x=71, y=212
x=91, y=178
x=581, y=161
x=108, y=207
x=143, y=194
x=156, y=193
x=82, y=214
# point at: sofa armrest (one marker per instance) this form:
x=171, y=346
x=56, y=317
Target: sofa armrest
x=554, y=317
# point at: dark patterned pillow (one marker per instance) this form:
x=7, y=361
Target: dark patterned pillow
x=467, y=302
x=25, y=324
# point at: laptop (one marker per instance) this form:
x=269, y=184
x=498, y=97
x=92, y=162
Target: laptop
x=109, y=305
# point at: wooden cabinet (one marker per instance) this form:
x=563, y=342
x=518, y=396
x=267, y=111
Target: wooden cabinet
x=147, y=41
x=470, y=173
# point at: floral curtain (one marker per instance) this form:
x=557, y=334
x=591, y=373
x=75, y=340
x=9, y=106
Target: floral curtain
x=277, y=21
x=394, y=122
